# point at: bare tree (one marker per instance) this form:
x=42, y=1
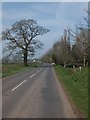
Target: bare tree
x=21, y=37
x=83, y=37
x=61, y=51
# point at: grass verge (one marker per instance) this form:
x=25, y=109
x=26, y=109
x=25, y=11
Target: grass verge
x=76, y=83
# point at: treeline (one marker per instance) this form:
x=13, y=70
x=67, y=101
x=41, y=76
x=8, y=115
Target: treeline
x=72, y=48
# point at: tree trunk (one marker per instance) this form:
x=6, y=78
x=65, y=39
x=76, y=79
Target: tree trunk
x=64, y=65
x=25, y=58
x=84, y=61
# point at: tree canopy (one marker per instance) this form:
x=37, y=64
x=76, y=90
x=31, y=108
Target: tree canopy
x=21, y=36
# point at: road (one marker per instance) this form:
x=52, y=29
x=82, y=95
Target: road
x=35, y=93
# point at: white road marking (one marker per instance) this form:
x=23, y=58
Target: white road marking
x=18, y=85
x=37, y=71
x=25, y=80
x=32, y=75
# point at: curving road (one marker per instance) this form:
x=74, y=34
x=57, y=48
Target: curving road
x=35, y=93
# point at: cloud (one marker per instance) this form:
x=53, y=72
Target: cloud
x=47, y=14
x=53, y=16
x=18, y=14
x=71, y=11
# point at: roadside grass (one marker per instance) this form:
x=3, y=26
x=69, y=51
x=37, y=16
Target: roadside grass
x=76, y=83
x=11, y=69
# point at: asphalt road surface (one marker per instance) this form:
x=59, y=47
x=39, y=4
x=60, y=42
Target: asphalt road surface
x=35, y=93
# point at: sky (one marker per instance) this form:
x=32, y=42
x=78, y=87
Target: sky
x=54, y=16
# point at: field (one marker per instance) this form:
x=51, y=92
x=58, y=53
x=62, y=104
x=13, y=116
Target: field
x=76, y=85
x=10, y=69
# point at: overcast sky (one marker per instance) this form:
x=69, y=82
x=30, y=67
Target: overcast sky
x=53, y=16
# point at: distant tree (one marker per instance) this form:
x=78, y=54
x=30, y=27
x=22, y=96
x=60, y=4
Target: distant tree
x=56, y=52
x=47, y=57
x=61, y=50
x=21, y=37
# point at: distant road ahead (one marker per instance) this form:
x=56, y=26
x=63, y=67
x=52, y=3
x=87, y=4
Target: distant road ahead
x=35, y=93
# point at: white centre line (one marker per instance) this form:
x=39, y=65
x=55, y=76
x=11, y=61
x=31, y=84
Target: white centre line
x=37, y=71
x=32, y=75
x=18, y=85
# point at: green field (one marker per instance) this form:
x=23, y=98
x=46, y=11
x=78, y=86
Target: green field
x=10, y=69
x=76, y=83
